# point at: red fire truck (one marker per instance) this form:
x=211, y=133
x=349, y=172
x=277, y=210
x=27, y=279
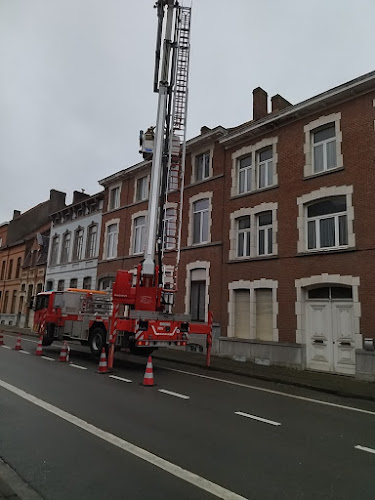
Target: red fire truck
x=139, y=314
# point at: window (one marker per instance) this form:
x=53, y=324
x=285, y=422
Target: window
x=54, y=250
x=111, y=248
x=78, y=244
x=3, y=264
x=18, y=268
x=200, y=221
x=324, y=149
x=10, y=270
x=202, y=166
x=73, y=283
x=87, y=283
x=114, y=198
x=106, y=283
x=243, y=236
x=60, y=285
x=141, y=189
x=5, y=304
x=198, y=294
x=65, y=248
x=170, y=229
x=1, y=241
x=139, y=234
x=91, y=241
x=265, y=168
x=265, y=243
x=245, y=174
x=13, y=303
x=327, y=225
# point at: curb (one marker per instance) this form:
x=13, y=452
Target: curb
x=274, y=379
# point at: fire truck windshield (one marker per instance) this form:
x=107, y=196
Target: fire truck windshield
x=41, y=302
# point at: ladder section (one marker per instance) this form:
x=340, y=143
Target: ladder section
x=176, y=164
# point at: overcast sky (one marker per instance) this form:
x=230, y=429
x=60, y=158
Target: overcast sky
x=76, y=78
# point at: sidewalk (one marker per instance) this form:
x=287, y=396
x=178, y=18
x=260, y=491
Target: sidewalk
x=333, y=384
x=13, y=487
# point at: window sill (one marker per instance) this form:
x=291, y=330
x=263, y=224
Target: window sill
x=326, y=172
x=203, y=181
x=325, y=252
x=255, y=191
x=202, y=245
x=252, y=259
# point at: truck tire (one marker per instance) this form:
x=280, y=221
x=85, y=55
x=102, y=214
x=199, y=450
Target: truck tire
x=48, y=336
x=97, y=340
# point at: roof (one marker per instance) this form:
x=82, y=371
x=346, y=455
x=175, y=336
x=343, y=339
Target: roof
x=343, y=92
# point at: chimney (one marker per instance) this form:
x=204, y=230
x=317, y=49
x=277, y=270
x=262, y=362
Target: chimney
x=205, y=129
x=278, y=102
x=58, y=197
x=259, y=103
x=16, y=213
x=79, y=196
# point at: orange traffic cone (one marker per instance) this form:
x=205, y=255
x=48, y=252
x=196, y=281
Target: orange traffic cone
x=103, y=367
x=18, y=346
x=39, y=348
x=64, y=357
x=148, y=379
x=1, y=337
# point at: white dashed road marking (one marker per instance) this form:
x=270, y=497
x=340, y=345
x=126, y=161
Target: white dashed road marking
x=364, y=448
x=254, y=417
x=24, y=352
x=6, y=347
x=120, y=378
x=78, y=366
x=147, y=456
x=176, y=394
x=47, y=358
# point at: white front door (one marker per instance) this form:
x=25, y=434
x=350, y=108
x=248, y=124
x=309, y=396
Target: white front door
x=330, y=333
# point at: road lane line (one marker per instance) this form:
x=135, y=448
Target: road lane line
x=47, y=358
x=254, y=417
x=161, y=463
x=24, y=352
x=176, y=394
x=364, y=448
x=120, y=378
x=272, y=391
x=6, y=347
x=77, y=366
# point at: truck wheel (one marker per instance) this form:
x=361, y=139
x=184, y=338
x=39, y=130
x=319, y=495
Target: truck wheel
x=48, y=336
x=97, y=341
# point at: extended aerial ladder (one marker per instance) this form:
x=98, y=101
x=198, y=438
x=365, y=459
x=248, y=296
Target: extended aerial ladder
x=143, y=311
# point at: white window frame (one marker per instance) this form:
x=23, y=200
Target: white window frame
x=309, y=130
x=245, y=232
x=248, y=173
x=117, y=198
x=253, y=212
x=210, y=151
x=78, y=243
x=105, y=243
x=267, y=229
x=139, y=235
x=62, y=254
x=54, y=258
x=335, y=216
x=91, y=247
x=318, y=195
x=146, y=179
x=267, y=165
x=254, y=151
x=192, y=200
x=141, y=213
x=204, y=175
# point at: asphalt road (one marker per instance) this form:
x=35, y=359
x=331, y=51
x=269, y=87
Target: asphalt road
x=72, y=433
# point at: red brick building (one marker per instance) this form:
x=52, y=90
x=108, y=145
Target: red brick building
x=276, y=236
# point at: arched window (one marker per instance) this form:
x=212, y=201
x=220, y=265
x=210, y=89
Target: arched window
x=327, y=225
